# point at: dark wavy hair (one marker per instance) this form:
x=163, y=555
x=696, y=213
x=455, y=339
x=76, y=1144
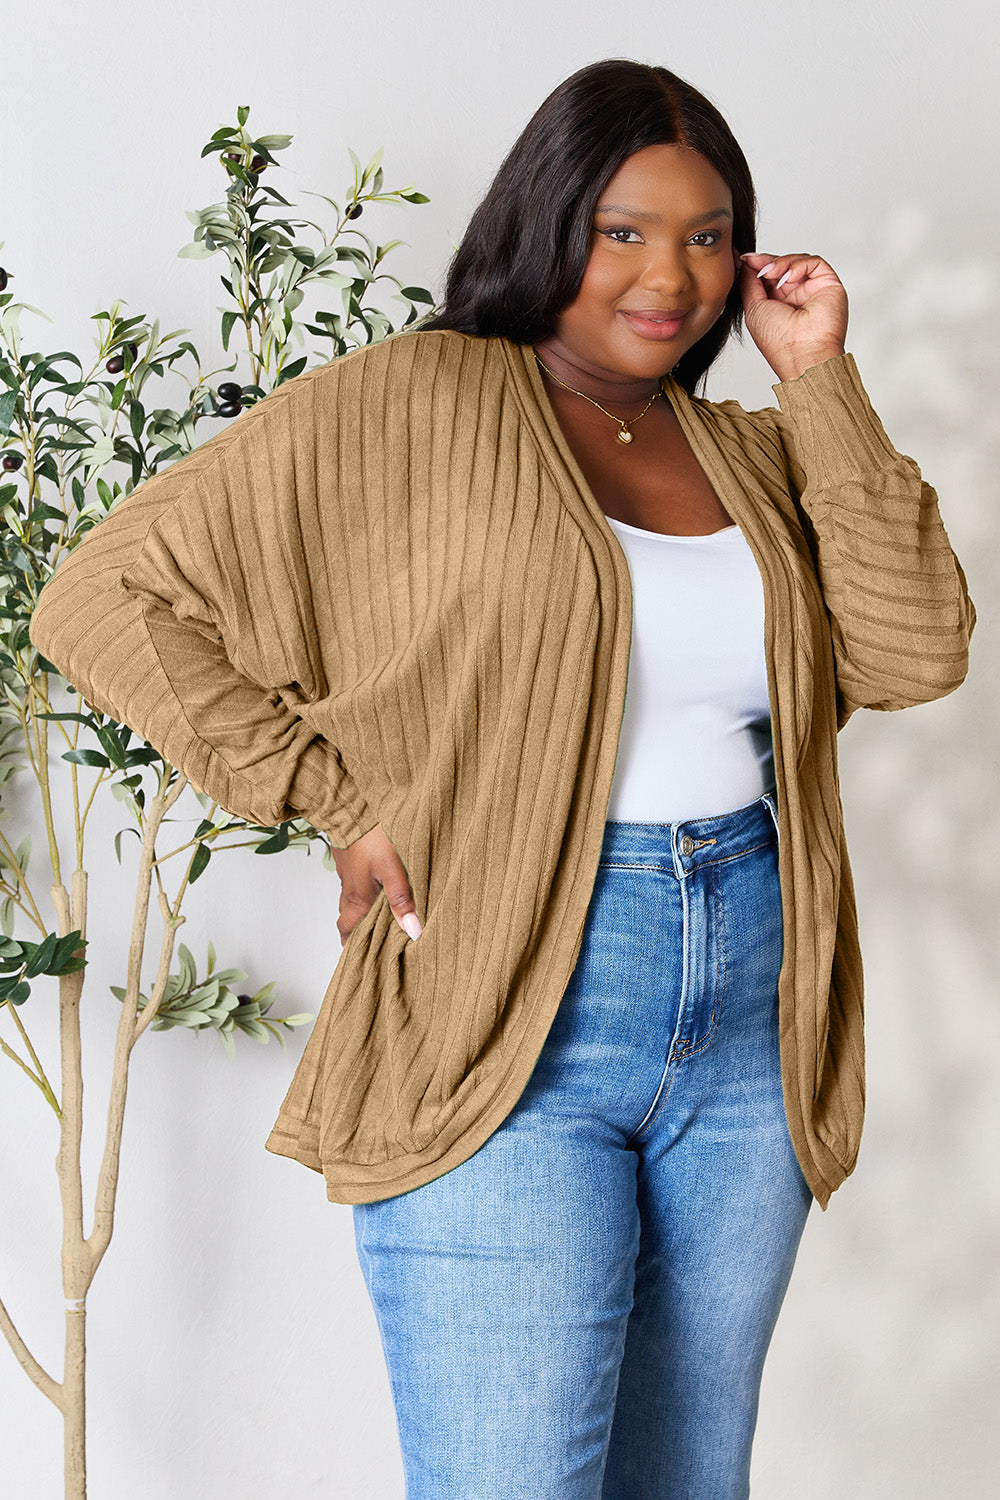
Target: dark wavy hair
x=523, y=255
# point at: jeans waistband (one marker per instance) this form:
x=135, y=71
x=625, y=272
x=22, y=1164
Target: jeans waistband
x=694, y=841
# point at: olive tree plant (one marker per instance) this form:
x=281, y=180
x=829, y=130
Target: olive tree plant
x=75, y=441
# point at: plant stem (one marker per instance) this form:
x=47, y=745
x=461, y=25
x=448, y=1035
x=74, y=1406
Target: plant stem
x=130, y=1026
x=39, y=1077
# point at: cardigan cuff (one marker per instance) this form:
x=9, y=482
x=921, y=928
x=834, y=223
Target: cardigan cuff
x=836, y=432
x=322, y=792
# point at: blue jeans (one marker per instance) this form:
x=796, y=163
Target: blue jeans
x=582, y=1309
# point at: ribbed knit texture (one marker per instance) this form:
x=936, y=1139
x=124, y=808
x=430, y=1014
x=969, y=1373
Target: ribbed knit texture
x=387, y=594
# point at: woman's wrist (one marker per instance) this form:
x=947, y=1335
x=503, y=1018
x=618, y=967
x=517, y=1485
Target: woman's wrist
x=793, y=365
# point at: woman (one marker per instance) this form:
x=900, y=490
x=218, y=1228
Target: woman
x=557, y=652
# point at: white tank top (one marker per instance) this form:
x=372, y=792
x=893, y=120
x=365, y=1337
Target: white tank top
x=696, y=731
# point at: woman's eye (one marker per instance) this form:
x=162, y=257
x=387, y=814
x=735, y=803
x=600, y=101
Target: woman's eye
x=705, y=238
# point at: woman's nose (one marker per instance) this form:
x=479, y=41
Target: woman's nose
x=668, y=270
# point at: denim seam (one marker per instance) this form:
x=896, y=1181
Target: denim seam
x=613, y=864
x=688, y=1048
x=725, y=859
x=669, y=1069
x=703, y=864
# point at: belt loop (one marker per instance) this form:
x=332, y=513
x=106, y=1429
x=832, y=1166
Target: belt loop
x=772, y=808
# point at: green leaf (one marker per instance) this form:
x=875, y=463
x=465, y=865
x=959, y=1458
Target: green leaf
x=188, y=1018
x=7, y=403
x=196, y=251
x=137, y=419
x=275, y=844
x=46, y=513
x=228, y=319
x=42, y=956
x=111, y=745
x=202, y=855
x=290, y=371
x=254, y=1029
x=7, y=916
x=87, y=758
x=242, y=113
x=231, y=976
x=79, y=718
x=66, y=951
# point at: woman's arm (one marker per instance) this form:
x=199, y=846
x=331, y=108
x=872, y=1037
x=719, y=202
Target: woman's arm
x=155, y=617
x=900, y=613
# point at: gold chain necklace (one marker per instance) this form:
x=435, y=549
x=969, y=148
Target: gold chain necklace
x=624, y=433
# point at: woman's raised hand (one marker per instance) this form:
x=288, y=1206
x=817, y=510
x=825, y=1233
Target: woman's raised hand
x=365, y=867
x=795, y=307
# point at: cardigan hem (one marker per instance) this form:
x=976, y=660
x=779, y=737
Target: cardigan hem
x=354, y=1182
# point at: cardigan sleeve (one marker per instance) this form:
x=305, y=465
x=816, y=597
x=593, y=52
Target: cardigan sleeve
x=900, y=613
x=182, y=614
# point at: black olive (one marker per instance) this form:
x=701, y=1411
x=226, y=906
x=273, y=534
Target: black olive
x=115, y=365
x=230, y=409
x=354, y=212
x=230, y=391
x=258, y=164
x=3, y=279
x=12, y=460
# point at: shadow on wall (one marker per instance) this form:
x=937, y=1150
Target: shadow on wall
x=923, y=816
x=922, y=786
x=892, y=1320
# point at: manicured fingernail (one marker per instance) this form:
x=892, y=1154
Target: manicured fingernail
x=411, y=924
x=783, y=279
x=769, y=267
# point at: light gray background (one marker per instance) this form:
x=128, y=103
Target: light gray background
x=233, y=1351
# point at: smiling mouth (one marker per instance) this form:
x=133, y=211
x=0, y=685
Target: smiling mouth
x=652, y=323
x=656, y=314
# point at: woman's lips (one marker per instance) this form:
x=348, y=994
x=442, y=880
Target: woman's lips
x=654, y=328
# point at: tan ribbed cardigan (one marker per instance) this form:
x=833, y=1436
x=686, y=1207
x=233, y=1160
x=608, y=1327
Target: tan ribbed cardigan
x=387, y=594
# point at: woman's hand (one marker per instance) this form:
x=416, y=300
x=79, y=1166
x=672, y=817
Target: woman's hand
x=795, y=307
x=365, y=867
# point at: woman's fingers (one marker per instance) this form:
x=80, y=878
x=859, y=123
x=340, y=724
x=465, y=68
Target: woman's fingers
x=795, y=308
x=370, y=864
x=777, y=269
x=772, y=272
x=396, y=884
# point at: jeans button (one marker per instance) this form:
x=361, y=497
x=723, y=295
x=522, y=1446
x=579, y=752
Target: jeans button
x=687, y=845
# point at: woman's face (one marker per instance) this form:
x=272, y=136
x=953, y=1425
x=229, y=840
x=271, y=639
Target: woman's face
x=661, y=243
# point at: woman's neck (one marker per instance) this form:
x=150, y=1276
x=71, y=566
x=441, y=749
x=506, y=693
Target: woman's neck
x=615, y=389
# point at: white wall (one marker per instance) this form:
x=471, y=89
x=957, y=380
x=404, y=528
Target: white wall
x=233, y=1352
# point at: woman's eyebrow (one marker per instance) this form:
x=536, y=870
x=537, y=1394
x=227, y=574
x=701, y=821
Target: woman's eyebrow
x=638, y=213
